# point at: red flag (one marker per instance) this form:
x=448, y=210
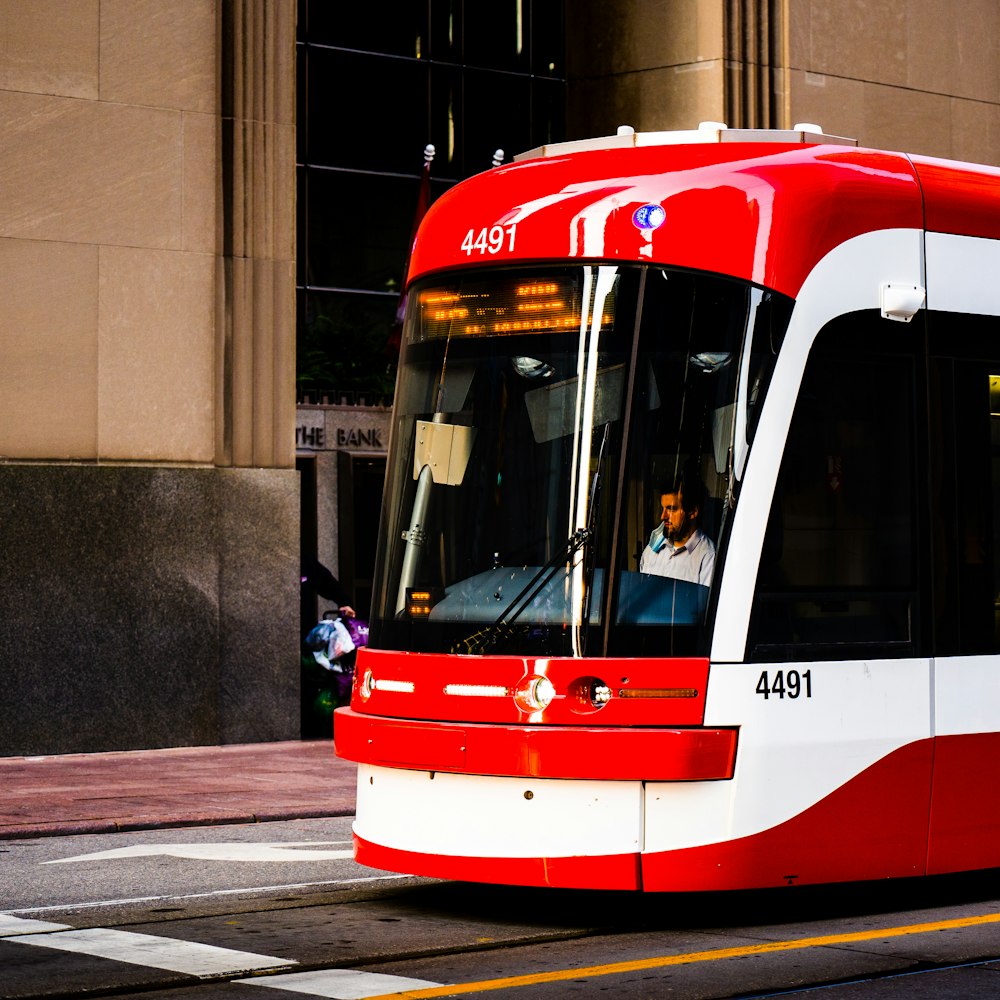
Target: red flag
x=423, y=203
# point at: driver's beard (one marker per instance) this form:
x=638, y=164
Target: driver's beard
x=681, y=532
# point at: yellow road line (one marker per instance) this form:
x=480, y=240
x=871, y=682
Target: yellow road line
x=662, y=961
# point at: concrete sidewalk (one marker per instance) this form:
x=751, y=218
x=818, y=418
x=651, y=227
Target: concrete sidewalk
x=186, y=786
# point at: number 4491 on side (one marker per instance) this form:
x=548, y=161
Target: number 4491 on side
x=785, y=684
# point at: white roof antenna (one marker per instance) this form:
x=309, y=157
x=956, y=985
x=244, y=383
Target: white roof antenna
x=498, y=158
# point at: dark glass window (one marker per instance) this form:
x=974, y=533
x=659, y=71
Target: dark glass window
x=359, y=228
x=375, y=86
x=366, y=112
x=301, y=229
x=548, y=112
x=839, y=568
x=369, y=27
x=496, y=34
x=507, y=124
x=973, y=601
x=446, y=31
x=446, y=106
x=302, y=90
x=357, y=370
x=547, y=52
x=965, y=482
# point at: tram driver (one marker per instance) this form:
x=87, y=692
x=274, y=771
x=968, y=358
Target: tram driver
x=677, y=547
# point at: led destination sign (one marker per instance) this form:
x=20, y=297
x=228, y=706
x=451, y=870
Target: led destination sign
x=502, y=308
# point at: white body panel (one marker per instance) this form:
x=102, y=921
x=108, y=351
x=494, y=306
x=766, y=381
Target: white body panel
x=491, y=817
x=962, y=273
x=966, y=695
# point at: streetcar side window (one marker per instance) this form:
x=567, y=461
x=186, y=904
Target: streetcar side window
x=964, y=381
x=838, y=570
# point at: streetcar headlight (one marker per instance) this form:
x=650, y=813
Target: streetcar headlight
x=534, y=694
x=589, y=694
x=600, y=693
x=369, y=684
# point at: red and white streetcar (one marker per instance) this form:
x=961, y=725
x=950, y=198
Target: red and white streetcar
x=690, y=550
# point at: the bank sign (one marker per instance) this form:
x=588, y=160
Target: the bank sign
x=341, y=428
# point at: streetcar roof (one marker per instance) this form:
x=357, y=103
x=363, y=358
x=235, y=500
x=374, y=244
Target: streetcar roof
x=762, y=211
x=704, y=133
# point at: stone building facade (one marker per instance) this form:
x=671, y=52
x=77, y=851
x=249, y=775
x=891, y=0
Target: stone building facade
x=149, y=527
x=922, y=76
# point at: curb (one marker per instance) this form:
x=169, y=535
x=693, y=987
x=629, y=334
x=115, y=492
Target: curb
x=31, y=831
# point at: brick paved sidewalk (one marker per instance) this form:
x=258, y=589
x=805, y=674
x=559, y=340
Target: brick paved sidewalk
x=187, y=786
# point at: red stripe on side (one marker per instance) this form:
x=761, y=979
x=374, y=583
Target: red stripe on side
x=873, y=827
x=608, y=871
x=965, y=809
x=960, y=198
x=548, y=752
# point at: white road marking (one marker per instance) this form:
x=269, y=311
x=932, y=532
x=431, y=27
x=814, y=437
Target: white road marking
x=194, y=959
x=221, y=852
x=187, y=957
x=340, y=984
x=11, y=926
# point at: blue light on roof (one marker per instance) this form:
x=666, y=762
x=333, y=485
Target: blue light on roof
x=649, y=217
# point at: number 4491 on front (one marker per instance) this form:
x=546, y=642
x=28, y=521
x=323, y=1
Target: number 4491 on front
x=490, y=240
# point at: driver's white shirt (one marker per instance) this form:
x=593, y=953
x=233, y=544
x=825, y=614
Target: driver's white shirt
x=693, y=561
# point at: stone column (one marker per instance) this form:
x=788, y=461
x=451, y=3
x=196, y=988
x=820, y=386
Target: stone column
x=255, y=403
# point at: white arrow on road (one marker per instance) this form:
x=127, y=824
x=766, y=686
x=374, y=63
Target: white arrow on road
x=286, y=851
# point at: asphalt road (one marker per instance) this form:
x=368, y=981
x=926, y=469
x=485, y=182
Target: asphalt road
x=233, y=910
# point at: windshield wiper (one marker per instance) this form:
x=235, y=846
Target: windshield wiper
x=503, y=628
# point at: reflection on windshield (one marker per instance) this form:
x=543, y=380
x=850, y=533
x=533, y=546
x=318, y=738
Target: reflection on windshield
x=552, y=409
x=548, y=478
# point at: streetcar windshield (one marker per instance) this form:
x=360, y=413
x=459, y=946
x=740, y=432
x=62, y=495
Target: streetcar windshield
x=566, y=445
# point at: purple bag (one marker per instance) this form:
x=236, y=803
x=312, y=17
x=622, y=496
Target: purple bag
x=358, y=630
